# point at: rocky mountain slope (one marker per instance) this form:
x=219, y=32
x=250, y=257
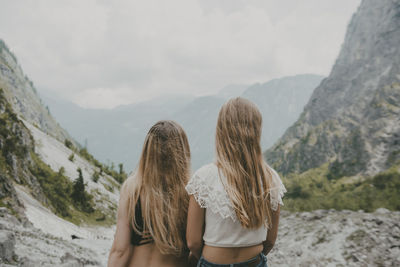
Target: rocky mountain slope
x=352, y=120
x=28, y=123
x=30, y=157
x=22, y=95
x=38, y=174
x=15, y=158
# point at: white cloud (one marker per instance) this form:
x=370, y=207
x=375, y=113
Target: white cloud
x=132, y=50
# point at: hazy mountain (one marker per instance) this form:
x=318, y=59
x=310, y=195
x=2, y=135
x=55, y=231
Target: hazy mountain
x=115, y=135
x=118, y=134
x=281, y=101
x=232, y=90
x=199, y=119
x=352, y=119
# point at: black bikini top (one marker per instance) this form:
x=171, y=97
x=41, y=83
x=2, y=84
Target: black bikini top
x=138, y=239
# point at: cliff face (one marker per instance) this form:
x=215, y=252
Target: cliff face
x=16, y=144
x=352, y=119
x=21, y=94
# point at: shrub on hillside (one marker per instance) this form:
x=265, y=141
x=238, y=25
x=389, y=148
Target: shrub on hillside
x=68, y=144
x=55, y=186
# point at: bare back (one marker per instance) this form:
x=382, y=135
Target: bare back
x=149, y=256
x=220, y=255
x=123, y=253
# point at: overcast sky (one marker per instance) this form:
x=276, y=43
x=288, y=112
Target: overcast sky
x=101, y=54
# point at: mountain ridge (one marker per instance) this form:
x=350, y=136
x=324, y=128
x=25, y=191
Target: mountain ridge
x=352, y=117
x=197, y=115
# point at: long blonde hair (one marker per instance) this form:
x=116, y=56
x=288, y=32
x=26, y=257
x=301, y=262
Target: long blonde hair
x=240, y=159
x=163, y=171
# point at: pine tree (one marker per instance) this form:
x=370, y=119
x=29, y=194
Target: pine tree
x=78, y=189
x=81, y=199
x=121, y=168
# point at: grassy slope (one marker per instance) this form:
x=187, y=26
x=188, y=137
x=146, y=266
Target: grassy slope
x=313, y=190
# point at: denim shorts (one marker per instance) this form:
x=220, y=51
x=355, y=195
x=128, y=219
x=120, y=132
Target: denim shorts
x=261, y=263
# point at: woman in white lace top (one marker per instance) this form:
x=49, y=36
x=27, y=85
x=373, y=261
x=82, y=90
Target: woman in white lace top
x=234, y=203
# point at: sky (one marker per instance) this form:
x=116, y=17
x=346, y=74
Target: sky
x=102, y=54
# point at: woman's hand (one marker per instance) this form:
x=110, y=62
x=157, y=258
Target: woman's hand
x=192, y=260
x=195, y=227
x=272, y=232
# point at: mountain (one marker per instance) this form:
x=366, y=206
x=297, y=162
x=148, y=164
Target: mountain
x=51, y=187
x=199, y=119
x=16, y=144
x=21, y=93
x=280, y=102
x=232, y=90
x=346, y=144
x=352, y=118
x=127, y=126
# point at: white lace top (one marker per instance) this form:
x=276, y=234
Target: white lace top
x=222, y=228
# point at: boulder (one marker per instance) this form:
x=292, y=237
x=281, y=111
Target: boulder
x=7, y=245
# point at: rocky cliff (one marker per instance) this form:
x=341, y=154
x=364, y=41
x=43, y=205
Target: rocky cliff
x=23, y=97
x=37, y=178
x=16, y=144
x=352, y=119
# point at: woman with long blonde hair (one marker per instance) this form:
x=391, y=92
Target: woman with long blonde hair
x=234, y=202
x=153, y=204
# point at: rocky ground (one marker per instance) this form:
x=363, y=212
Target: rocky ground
x=21, y=244
x=318, y=238
x=338, y=238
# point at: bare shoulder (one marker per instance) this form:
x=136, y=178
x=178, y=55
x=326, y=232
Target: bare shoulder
x=128, y=185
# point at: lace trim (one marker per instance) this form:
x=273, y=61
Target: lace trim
x=209, y=197
x=276, y=195
x=277, y=191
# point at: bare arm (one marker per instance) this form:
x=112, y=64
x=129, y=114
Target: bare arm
x=272, y=232
x=195, y=227
x=121, y=248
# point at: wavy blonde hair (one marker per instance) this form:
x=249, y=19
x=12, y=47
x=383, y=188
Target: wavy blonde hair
x=160, y=179
x=240, y=159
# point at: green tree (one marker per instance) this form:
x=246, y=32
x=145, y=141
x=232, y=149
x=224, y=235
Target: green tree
x=78, y=189
x=121, y=168
x=68, y=144
x=95, y=176
x=81, y=199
